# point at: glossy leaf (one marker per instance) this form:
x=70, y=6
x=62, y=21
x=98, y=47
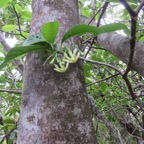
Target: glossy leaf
x=82, y=29
x=50, y=30
x=9, y=120
x=8, y=28
x=19, y=51
x=79, y=30
x=112, y=27
x=33, y=39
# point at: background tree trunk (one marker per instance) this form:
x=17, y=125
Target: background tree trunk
x=119, y=46
x=54, y=107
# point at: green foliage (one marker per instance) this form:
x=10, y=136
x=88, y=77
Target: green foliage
x=18, y=8
x=10, y=106
x=115, y=1
x=26, y=15
x=34, y=39
x=49, y=31
x=9, y=120
x=112, y=27
x=48, y=35
x=8, y=28
x=18, y=51
x=82, y=29
x=3, y=3
x=79, y=30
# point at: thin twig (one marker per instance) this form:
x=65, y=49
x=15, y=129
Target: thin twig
x=102, y=79
x=129, y=9
x=10, y=91
x=129, y=86
x=140, y=7
x=131, y=112
x=94, y=16
x=11, y=33
x=104, y=7
x=18, y=20
x=101, y=63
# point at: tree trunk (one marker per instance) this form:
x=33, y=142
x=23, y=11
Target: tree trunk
x=54, y=107
x=119, y=46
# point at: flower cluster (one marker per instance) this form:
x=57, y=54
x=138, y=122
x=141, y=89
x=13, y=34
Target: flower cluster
x=69, y=57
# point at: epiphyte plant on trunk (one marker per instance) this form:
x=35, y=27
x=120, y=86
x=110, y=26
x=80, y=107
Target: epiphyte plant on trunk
x=46, y=40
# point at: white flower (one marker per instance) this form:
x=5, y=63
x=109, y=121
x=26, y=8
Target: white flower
x=61, y=67
x=71, y=57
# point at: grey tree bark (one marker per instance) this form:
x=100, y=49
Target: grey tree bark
x=54, y=107
x=119, y=46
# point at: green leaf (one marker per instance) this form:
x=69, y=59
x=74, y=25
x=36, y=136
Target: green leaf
x=9, y=120
x=19, y=51
x=82, y=29
x=87, y=67
x=141, y=39
x=86, y=12
x=26, y=15
x=103, y=86
x=115, y=1
x=8, y=28
x=112, y=27
x=33, y=39
x=3, y=3
x=79, y=30
x=50, y=30
x=18, y=8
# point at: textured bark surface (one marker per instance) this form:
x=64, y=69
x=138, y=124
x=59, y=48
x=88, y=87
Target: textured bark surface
x=54, y=107
x=119, y=46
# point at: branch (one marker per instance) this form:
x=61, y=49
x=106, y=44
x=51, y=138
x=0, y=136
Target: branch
x=103, y=11
x=133, y=15
x=18, y=20
x=17, y=63
x=140, y=7
x=11, y=91
x=131, y=112
x=101, y=63
x=10, y=33
x=94, y=16
x=104, y=7
x=102, y=79
x=127, y=125
x=110, y=126
x=129, y=9
x=129, y=86
x=119, y=46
